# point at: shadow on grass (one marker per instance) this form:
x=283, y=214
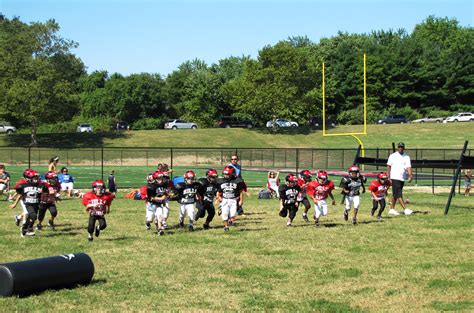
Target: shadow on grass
x=70, y=287
x=64, y=140
x=60, y=233
x=302, y=130
x=122, y=238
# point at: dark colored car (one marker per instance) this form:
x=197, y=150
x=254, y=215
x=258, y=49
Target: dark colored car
x=393, y=119
x=317, y=122
x=234, y=121
x=121, y=126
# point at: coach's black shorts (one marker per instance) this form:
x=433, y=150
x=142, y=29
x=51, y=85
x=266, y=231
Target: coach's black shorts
x=397, y=188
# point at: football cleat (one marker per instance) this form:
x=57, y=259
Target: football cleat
x=226, y=229
x=354, y=220
x=51, y=224
x=393, y=212
x=97, y=231
x=305, y=218
x=90, y=238
x=17, y=220
x=346, y=215
x=205, y=226
x=407, y=211
x=379, y=217
x=148, y=226
x=372, y=212
x=39, y=227
x=161, y=232
x=191, y=227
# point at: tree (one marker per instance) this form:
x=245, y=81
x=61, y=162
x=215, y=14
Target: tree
x=39, y=74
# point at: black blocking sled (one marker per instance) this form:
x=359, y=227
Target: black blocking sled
x=26, y=277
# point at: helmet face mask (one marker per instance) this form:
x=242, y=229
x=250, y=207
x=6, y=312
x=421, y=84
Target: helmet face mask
x=228, y=172
x=31, y=176
x=51, y=177
x=211, y=175
x=322, y=176
x=382, y=177
x=291, y=180
x=306, y=175
x=98, y=187
x=354, y=171
x=189, y=177
x=158, y=177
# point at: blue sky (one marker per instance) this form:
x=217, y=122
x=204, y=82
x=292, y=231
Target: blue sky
x=127, y=36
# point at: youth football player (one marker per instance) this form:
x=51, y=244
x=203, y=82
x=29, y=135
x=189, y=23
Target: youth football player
x=97, y=203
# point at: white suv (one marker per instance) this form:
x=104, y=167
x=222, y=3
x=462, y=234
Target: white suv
x=84, y=128
x=460, y=117
x=4, y=129
x=175, y=124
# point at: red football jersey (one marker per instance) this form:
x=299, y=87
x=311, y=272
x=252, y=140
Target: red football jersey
x=379, y=189
x=100, y=203
x=20, y=182
x=320, y=191
x=48, y=192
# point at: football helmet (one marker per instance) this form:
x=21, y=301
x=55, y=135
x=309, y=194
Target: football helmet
x=25, y=172
x=322, y=175
x=211, y=174
x=32, y=176
x=189, y=176
x=291, y=179
x=51, y=177
x=353, y=169
x=382, y=176
x=228, y=171
x=98, y=187
x=306, y=175
x=158, y=176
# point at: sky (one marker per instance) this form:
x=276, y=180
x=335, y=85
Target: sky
x=156, y=36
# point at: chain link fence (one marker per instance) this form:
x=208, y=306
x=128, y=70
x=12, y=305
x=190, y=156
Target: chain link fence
x=101, y=160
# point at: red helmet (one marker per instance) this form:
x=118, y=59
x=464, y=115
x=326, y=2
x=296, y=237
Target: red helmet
x=211, y=173
x=228, y=171
x=25, y=172
x=353, y=168
x=31, y=175
x=382, y=176
x=189, y=175
x=290, y=178
x=322, y=174
x=158, y=175
x=98, y=187
x=50, y=175
x=306, y=174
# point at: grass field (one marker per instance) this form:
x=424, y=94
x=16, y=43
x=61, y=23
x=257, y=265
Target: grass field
x=423, y=262
x=451, y=135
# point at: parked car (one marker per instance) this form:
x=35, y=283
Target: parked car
x=460, y=117
x=318, y=122
x=281, y=122
x=234, y=121
x=429, y=119
x=393, y=119
x=121, y=126
x=175, y=124
x=4, y=129
x=84, y=128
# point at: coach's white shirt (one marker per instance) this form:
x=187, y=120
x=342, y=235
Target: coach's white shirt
x=399, y=164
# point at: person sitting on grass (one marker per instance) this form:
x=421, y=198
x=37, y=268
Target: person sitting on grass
x=467, y=182
x=273, y=182
x=4, y=180
x=67, y=181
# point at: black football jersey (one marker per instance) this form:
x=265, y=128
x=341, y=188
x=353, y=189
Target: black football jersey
x=230, y=188
x=30, y=193
x=208, y=190
x=288, y=194
x=156, y=190
x=187, y=192
x=352, y=184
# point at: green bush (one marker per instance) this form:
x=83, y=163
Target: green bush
x=149, y=123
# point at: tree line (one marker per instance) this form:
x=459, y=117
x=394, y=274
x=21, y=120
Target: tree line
x=45, y=87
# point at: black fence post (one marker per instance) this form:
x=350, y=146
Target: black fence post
x=273, y=151
x=102, y=162
x=377, y=167
x=458, y=170
x=297, y=159
x=29, y=157
x=416, y=169
x=432, y=180
x=171, y=157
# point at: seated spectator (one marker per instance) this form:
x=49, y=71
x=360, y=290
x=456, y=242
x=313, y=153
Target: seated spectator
x=66, y=181
x=4, y=180
x=273, y=183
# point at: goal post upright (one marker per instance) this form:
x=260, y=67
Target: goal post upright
x=352, y=134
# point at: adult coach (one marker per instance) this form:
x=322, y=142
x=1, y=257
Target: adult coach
x=399, y=170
